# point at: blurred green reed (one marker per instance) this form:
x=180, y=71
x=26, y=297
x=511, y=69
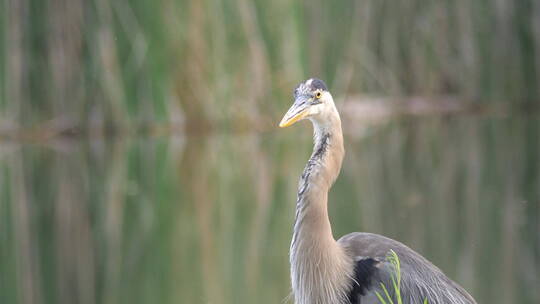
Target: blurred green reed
x=180, y=221
x=395, y=288
x=105, y=65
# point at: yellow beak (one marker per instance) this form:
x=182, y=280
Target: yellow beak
x=289, y=121
x=298, y=111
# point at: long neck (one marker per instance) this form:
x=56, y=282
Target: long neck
x=317, y=261
x=318, y=176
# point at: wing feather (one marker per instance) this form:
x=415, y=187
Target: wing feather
x=420, y=279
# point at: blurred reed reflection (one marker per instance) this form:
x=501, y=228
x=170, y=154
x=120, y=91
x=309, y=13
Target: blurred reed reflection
x=208, y=219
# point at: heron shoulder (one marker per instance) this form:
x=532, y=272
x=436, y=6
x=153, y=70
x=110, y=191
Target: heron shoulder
x=373, y=245
x=420, y=278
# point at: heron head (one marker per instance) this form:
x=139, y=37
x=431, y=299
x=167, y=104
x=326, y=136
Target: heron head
x=311, y=100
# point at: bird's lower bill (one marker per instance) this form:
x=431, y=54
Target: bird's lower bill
x=289, y=120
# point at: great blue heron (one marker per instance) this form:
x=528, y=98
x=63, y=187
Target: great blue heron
x=350, y=270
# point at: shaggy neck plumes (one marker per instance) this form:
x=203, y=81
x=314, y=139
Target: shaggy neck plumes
x=320, y=269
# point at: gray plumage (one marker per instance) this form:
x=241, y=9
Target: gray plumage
x=420, y=279
x=350, y=270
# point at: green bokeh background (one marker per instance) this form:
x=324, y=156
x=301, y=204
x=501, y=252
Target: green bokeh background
x=140, y=160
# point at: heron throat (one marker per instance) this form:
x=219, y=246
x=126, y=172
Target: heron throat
x=314, y=250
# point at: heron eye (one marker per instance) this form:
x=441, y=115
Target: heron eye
x=318, y=95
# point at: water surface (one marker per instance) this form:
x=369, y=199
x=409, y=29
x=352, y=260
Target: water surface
x=208, y=219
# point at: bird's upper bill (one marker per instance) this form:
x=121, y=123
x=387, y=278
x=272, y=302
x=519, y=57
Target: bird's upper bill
x=298, y=111
x=306, y=95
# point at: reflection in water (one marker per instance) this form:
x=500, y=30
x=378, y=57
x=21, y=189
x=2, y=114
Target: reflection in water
x=208, y=219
